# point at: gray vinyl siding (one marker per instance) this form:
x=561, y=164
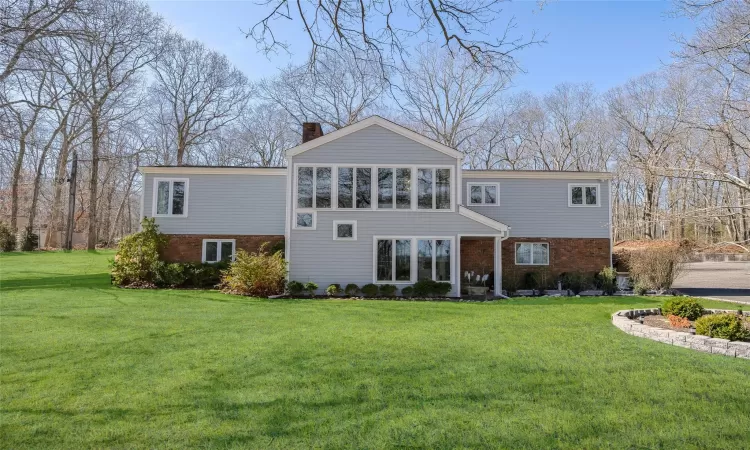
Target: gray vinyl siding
x=534, y=207
x=374, y=145
x=225, y=204
x=315, y=256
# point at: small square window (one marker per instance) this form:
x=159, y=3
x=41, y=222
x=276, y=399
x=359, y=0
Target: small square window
x=344, y=230
x=305, y=221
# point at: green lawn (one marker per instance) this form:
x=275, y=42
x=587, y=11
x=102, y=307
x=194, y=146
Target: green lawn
x=83, y=364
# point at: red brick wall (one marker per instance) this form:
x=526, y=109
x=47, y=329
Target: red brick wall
x=566, y=254
x=189, y=247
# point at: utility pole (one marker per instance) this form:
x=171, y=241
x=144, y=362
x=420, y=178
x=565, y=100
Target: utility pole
x=71, y=203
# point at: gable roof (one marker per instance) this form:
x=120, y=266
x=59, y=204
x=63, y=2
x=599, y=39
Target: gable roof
x=375, y=120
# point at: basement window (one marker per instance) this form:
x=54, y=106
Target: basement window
x=215, y=250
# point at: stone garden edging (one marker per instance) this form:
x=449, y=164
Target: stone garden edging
x=625, y=320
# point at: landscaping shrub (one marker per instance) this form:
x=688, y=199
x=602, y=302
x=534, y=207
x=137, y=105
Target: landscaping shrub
x=539, y=280
x=170, y=274
x=441, y=288
x=311, y=287
x=640, y=288
x=606, y=280
x=204, y=275
x=683, y=307
x=423, y=288
x=352, y=290
x=333, y=290
x=678, y=322
x=430, y=288
x=511, y=282
x=370, y=290
x=388, y=290
x=295, y=288
x=7, y=238
x=576, y=282
x=138, y=255
x=724, y=326
x=656, y=268
x=258, y=274
x=29, y=240
x=407, y=291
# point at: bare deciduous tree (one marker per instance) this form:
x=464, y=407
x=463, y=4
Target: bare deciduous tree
x=199, y=91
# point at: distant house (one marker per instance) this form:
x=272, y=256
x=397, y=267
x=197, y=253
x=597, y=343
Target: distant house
x=375, y=202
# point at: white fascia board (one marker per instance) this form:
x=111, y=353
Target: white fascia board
x=484, y=220
x=538, y=174
x=184, y=170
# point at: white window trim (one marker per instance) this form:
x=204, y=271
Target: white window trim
x=483, y=203
x=336, y=224
x=584, y=186
x=374, y=187
x=171, y=187
x=532, y=263
x=218, y=249
x=314, y=220
x=413, y=259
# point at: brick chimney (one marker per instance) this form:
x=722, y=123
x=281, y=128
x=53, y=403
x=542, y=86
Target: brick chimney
x=310, y=131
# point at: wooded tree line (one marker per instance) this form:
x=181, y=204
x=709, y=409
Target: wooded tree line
x=113, y=83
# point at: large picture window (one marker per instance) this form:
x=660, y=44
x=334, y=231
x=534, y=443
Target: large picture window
x=431, y=258
x=170, y=197
x=532, y=253
x=583, y=194
x=364, y=188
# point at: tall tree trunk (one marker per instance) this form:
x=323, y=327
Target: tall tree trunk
x=17, y=167
x=55, y=221
x=125, y=199
x=94, y=181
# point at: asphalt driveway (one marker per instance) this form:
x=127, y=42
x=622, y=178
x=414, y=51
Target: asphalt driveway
x=725, y=280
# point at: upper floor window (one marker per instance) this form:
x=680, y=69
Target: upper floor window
x=314, y=187
x=170, y=197
x=483, y=193
x=394, y=188
x=433, y=188
x=377, y=187
x=583, y=194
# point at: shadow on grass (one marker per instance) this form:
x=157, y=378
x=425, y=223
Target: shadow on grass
x=89, y=280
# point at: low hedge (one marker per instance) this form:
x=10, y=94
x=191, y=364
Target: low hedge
x=724, y=326
x=683, y=307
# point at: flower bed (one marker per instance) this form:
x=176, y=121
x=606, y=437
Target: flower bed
x=629, y=321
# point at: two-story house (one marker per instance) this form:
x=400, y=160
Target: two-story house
x=375, y=202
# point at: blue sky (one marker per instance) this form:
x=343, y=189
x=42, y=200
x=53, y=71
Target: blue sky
x=601, y=42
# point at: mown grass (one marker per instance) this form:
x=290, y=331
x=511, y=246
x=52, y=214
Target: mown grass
x=84, y=364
